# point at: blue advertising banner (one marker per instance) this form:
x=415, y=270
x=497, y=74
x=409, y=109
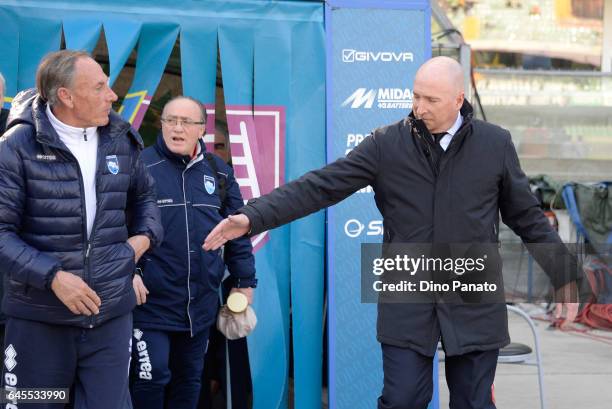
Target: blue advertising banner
x=307, y=118
x=81, y=33
x=373, y=51
x=121, y=38
x=9, y=54
x=258, y=111
x=272, y=56
x=154, y=48
x=199, y=59
x=37, y=37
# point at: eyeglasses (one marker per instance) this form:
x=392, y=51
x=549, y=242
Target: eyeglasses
x=181, y=122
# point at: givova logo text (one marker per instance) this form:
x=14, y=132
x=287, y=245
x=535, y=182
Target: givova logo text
x=350, y=56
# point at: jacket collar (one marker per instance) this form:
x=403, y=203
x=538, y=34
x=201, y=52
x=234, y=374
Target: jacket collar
x=421, y=131
x=466, y=111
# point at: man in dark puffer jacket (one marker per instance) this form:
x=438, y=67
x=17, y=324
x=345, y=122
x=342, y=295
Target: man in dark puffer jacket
x=77, y=211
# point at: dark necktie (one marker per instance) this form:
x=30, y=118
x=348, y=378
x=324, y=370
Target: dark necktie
x=438, y=137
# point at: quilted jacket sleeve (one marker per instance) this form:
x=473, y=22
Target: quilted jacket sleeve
x=145, y=215
x=20, y=261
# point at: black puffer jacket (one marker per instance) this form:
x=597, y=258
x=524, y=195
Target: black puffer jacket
x=43, y=221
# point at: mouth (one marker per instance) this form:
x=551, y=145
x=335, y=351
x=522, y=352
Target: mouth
x=177, y=139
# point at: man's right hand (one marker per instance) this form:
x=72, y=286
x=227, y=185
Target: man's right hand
x=567, y=306
x=75, y=294
x=228, y=229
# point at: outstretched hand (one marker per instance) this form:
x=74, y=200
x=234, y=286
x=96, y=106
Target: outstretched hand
x=228, y=229
x=567, y=306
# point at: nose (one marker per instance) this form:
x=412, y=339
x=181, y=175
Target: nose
x=178, y=127
x=420, y=109
x=112, y=96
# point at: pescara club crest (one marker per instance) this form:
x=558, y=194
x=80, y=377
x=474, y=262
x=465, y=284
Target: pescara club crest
x=112, y=163
x=209, y=184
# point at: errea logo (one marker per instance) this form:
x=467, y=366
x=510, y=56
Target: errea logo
x=137, y=334
x=9, y=358
x=40, y=156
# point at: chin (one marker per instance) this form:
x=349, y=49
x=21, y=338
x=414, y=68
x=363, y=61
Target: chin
x=177, y=150
x=103, y=121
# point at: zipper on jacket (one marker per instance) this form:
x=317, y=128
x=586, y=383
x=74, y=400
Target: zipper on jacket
x=84, y=216
x=191, y=163
x=85, y=134
x=86, y=265
x=188, y=253
x=93, y=227
x=84, y=230
x=86, y=242
x=86, y=239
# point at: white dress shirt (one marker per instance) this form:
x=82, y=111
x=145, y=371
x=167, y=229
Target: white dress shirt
x=446, y=139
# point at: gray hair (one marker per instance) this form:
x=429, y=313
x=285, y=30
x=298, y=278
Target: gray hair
x=203, y=114
x=56, y=70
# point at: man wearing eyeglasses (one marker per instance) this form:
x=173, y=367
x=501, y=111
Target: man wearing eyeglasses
x=180, y=280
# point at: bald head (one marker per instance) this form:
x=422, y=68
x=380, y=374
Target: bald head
x=438, y=93
x=443, y=69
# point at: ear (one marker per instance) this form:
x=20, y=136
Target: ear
x=65, y=97
x=459, y=100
